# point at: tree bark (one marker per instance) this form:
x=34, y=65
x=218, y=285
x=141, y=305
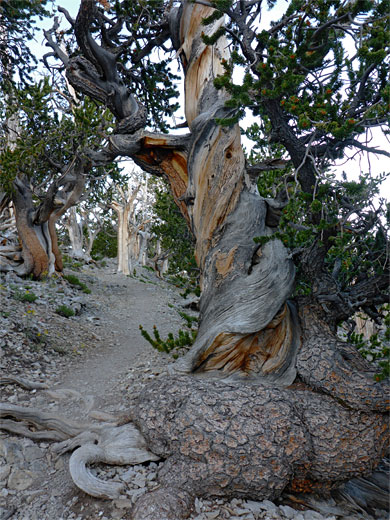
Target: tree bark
x=36, y=224
x=129, y=242
x=245, y=327
x=126, y=233
x=250, y=441
x=35, y=239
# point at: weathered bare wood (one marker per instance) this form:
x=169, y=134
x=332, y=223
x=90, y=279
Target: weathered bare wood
x=42, y=420
x=20, y=429
x=23, y=382
x=85, y=480
x=107, y=443
x=243, y=286
x=116, y=445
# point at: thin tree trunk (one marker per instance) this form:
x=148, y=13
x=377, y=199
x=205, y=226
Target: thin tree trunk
x=123, y=250
x=58, y=264
x=75, y=231
x=128, y=246
x=144, y=237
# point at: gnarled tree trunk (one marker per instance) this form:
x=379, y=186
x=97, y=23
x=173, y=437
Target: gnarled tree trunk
x=246, y=328
x=39, y=254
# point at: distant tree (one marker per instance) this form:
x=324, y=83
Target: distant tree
x=173, y=233
x=131, y=222
x=45, y=170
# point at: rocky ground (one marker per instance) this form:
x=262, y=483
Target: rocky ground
x=91, y=361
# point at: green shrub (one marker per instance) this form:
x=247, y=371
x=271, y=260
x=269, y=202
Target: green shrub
x=190, y=320
x=105, y=243
x=27, y=296
x=64, y=310
x=376, y=349
x=183, y=339
x=71, y=263
x=73, y=280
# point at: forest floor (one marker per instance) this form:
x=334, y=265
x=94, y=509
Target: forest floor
x=96, y=358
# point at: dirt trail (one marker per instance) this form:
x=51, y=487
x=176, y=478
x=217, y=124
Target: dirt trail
x=120, y=304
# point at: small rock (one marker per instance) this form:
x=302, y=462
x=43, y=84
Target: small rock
x=270, y=507
x=59, y=464
x=136, y=493
x=20, y=480
x=198, y=505
x=312, y=515
x=240, y=512
x=32, y=453
x=139, y=480
x=123, y=503
x=4, y=472
x=255, y=507
x=151, y=476
x=128, y=475
x=288, y=511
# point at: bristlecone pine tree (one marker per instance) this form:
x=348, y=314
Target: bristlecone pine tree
x=298, y=408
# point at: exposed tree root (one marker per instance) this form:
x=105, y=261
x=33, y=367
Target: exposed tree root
x=218, y=439
x=21, y=381
x=105, y=443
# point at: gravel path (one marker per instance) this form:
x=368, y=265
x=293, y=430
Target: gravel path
x=99, y=355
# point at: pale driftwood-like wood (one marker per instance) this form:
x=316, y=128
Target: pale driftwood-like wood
x=85, y=480
x=120, y=445
x=20, y=429
x=41, y=420
x=23, y=382
x=106, y=443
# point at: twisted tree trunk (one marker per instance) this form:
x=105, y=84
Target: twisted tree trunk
x=35, y=238
x=40, y=254
x=245, y=327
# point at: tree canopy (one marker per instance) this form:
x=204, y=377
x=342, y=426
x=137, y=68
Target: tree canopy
x=17, y=27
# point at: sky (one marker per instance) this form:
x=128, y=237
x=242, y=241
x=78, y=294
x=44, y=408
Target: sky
x=376, y=164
